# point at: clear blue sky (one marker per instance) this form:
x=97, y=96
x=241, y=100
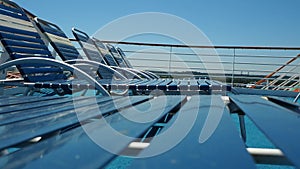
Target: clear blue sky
x=230, y=22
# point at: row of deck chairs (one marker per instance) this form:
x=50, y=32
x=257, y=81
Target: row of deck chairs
x=192, y=129
x=24, y=43
x=108, y=54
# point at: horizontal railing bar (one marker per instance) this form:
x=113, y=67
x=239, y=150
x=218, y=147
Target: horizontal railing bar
x=244, y=70
x=200, y=46
x=201, y=62
x=204, y=54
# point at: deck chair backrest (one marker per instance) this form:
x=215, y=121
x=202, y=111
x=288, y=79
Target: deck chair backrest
x=122, y=54
x=126, y=61
x=20, y=39
x=58, y=40
x=116, y=55
x=105, y=53
x=88, y=46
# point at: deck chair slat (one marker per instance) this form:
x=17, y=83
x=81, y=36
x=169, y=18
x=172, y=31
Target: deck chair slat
x=89, y=154
x=10, y=9
x=67, y=53
x=103, y=51
x=25, y=44
x=21, y=38
x=136, y=118
x=59, y=39
x=70, y=56
x=89, y=47
x=92, y=153
x=211, y=142
x=17, y=25
x=60, y=118
x=31, y=70
x=13, y=114
x=12, y=12
x=44, y=78
x=63, y=47
x=15, y=30
x=94, y=56
x=66, y=49
x=14, y=20
x=18, y=100
x=53, y=31
x=24, y=55
x=12, y=49
x=279, y=124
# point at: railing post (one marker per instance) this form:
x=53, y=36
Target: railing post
x=170, y=60
x=233, y=67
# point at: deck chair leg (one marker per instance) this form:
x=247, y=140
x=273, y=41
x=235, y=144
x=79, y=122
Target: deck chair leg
x=85, y=91
x=28, y=91
x=243, y=127
x=234, y=109
x=2, y=76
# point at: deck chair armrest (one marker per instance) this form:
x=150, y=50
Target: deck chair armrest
x=129, y=73
x=152, y=74
x=98, y=65
x=139, y=72
x=52, y=62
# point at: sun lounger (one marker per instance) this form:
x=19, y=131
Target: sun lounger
x=97, y=51
x=27, y=51
x=123, y=61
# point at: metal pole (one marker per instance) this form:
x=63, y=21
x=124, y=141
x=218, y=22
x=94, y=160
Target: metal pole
x=170, y=59
x=233, y=67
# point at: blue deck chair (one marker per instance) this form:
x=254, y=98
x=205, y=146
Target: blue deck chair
x=27, y=51
x=68, y=53
x=116, y=55
x=105, y=49
x=125, y=60
x=120, y=56
x=99, y=52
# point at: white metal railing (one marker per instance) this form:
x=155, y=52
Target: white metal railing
x=240, y=65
